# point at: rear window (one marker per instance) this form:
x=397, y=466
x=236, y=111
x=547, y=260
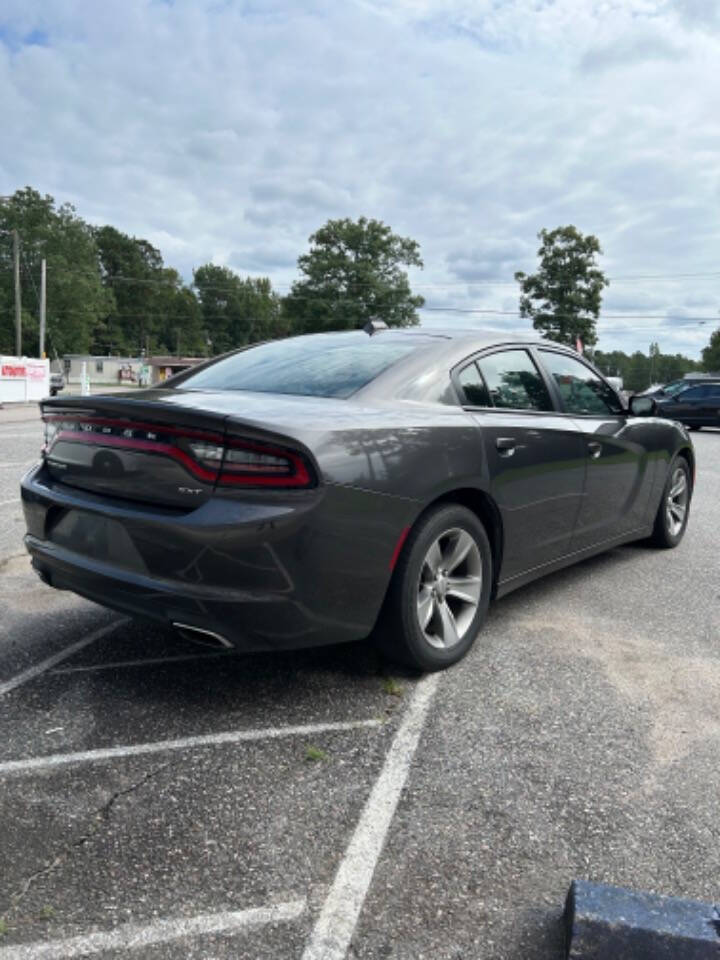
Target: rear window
x=334, y=365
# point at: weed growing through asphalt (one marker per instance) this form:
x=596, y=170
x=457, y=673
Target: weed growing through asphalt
x=47, y=912
x=4, y=928
x=315, y=754
x=392, y=687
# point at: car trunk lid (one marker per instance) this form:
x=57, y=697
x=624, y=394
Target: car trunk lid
x=141, y=447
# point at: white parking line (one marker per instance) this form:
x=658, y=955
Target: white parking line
x=148, y=661
x=6, y=503
x=334, y=927
x=183, y=743
x=35, y=435
x=44, y=665
x=132, y=936
x=16, y=463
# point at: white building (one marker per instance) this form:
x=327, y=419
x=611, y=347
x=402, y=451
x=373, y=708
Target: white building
x=101, y=370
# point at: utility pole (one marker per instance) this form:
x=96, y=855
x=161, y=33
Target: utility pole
x=43, y=298
x=18, y=305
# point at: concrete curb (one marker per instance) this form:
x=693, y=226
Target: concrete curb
x=611, y=923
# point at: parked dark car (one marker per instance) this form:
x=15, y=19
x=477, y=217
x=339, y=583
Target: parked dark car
x=698, y=405
x=328, y=487
x=676, y=386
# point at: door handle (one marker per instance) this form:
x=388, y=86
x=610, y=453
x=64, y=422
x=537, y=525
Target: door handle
x=595, y=449
x=506, y=446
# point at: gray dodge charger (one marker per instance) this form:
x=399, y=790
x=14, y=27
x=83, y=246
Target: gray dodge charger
x=325, y=488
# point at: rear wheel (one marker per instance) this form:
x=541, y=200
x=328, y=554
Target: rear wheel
x=672, y=516
x=440, y=592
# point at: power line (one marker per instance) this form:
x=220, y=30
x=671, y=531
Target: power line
x=231, y=284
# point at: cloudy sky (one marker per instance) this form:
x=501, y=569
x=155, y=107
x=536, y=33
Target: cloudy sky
x=230, y=130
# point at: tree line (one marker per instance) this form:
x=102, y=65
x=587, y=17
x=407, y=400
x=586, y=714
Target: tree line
x=111, y=293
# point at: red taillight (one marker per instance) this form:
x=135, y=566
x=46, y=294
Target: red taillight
x=249, y=463
x=208, y=456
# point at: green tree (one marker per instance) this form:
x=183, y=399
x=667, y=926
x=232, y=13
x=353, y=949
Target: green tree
x=178, y=324
x=711, y=353
x=152, y=310
x=236, y=310
x=76, y=299
x=352, y=274
x=563, y=298
x=638, y=373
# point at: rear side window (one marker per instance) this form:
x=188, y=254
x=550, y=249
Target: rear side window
x=334, y=365
x=513, y=381
x=473, y=386
x=581, y=390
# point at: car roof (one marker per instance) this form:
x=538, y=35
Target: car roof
x=447, y=347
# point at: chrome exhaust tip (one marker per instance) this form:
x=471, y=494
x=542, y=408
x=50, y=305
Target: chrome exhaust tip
x=205, y=638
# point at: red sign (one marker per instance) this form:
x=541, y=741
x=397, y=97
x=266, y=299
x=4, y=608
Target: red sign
x=11, y=370
x=36, y=371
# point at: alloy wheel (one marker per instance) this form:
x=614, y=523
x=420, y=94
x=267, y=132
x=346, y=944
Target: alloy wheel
x=449, y=588
x=677, y=501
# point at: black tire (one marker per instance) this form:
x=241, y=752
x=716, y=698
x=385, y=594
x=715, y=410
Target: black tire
x=693, y=426
x=669, y=529
x=440, y=532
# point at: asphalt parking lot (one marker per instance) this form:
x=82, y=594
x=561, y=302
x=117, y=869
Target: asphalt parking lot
x=161, y=801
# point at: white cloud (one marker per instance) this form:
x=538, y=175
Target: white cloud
x=233, y=130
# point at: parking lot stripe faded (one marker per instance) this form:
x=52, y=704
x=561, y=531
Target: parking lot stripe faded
x=7, y=503
x=182, y=743
x=133, y=936
x=50, y=662
x=147, y=662
x=334, y=927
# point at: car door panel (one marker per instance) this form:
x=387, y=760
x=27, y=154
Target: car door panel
x=618, y=481
x=618, y=478
x=536, y=467
x=534, y=456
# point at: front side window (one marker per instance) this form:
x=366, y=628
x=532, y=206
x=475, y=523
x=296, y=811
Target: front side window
x=513, y=381
x=692, y=395
x=582, y=391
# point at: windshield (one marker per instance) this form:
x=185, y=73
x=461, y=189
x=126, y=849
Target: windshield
x=326, y=365
x=675, y=387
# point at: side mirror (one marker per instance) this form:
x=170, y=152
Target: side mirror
x=643, y=406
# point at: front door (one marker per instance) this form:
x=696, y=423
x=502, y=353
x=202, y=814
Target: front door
x=618, y=478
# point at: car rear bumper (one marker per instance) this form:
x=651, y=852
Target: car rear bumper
x=289, y=571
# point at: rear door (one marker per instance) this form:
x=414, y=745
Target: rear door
x=535, y=456
x=618, y=477
x=714, y=405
